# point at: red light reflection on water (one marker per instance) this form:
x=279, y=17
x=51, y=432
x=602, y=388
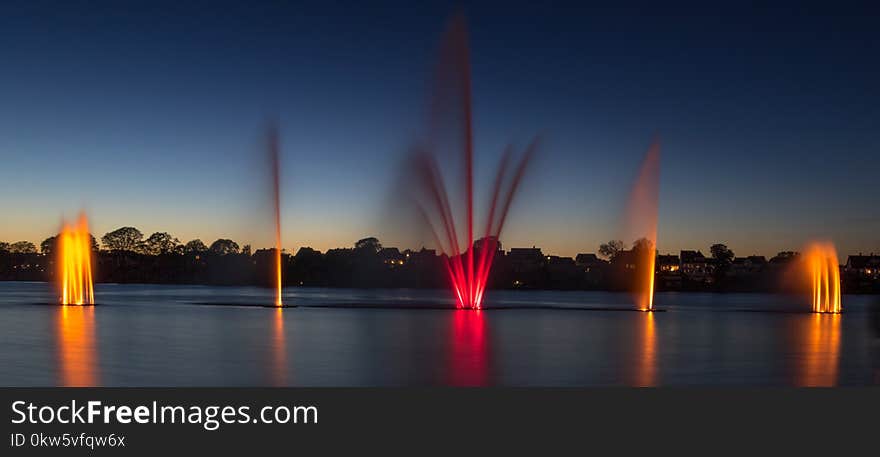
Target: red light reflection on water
x=469, y=353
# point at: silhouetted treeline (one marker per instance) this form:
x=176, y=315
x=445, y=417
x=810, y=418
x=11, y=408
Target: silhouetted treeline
x=126, y=257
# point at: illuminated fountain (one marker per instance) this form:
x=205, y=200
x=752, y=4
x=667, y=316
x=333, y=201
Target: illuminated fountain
x=76, y=323
x=641, y=225
x=274, y=163
x=278, y=343
x=819, y=334
x=451, y=131
x=824, y=272
x=75, y=263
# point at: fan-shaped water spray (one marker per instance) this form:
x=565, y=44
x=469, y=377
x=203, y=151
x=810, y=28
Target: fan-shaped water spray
x=468, y=270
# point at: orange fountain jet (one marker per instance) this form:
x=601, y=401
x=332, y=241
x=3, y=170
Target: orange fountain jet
x=641, y=220
x=75, y=263
x=275, y=162
x=824, y=273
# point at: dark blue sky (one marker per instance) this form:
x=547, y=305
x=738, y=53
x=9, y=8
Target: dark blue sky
x=152, y=116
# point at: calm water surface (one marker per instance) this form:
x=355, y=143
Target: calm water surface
x=147, y=335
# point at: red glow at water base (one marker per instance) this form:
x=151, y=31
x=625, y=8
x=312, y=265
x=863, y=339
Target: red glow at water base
x=275, y=165
x=75, y=263
x=468, y=268
x=823, y=270
x=641, y=225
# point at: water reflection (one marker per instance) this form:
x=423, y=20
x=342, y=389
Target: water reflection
x=279, y=349
x=77, y=356
x=469, y=349
x=646, y=352
x=820, y=337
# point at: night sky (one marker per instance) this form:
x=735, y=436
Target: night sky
x=153, y=116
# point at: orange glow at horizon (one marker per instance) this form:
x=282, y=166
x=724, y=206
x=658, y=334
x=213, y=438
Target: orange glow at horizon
x=824, y=273
x=642, y=224
x=77, y=364
x=75, y=263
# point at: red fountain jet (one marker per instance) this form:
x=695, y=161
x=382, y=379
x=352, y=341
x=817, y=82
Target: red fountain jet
x=451, y=131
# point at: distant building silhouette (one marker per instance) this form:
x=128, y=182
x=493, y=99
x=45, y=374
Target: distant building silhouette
x=695, y=266
x=478, y=244
x=861, y=273
x=668, y=263
x=589, y=262
x=391, y=257
x=368, y=264
x=745, y=266
x=668, y=269
x=864, y=266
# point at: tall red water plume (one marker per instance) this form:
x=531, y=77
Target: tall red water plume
x=450, y=138
x=641, y=225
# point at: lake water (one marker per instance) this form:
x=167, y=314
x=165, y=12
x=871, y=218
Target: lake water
x=148, y=335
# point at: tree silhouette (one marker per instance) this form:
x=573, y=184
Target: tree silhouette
x=224, y=247
x=721, y=253
x=643, y=244
x=161, y=243
x=22, y=247
x=723, y=258
x=371, y=245
x=123, y=239
x=4, y=247
x=610, y=249
x=195, y=246
x=786, y=255
x=47, y=247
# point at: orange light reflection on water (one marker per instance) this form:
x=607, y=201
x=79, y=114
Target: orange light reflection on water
x=820, y=335
x=77, y=357
x=279, y=349
x=646, y=361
